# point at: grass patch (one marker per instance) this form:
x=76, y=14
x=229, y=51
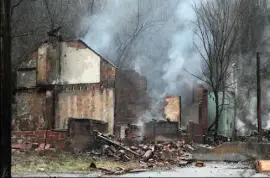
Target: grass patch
x=226, y=149
x=60, y=162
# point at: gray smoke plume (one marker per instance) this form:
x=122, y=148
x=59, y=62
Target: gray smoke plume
x=180, y=54
x=160, y=52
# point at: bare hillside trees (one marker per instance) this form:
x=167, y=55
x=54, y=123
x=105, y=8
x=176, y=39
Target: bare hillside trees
x=140, y=21
x=31, y=20
x=254, y=37
x=218, y=36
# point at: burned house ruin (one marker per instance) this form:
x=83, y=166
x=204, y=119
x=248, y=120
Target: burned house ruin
x=68, y=79
x=63, y=80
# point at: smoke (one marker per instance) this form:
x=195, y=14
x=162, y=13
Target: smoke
x=108, y=20
x=160, y=52
x=179, y=54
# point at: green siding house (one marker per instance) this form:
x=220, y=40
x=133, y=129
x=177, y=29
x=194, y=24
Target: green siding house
x=226, y=121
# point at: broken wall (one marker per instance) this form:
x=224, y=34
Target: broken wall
x=161, y=130
x=26, y=79
x=132, y=99
x=97, y=104
x=191, y=112
x=70, y=62
x=33, y=111
x=79, y=64
x=172, y=108
x=26, y=73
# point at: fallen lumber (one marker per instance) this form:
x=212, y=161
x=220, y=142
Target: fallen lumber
x=117, y=144
x=137, y=170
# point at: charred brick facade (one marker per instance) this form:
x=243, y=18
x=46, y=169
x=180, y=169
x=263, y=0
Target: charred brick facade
x=56, y=138
x=40, y=86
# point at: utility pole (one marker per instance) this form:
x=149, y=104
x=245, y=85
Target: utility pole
x=259, y=99
x=235, y=98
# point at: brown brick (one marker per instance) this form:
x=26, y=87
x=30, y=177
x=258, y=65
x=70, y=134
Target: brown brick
x=49, y=132
x=40, y=132
x=54, y=137
x=41, y=140
x=28, y=132
x=62, y=136
x=16, y=134
x=41, y=136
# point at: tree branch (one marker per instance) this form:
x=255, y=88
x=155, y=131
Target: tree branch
x=14, y=6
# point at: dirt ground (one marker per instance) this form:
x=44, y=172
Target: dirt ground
x=211, y=169
x=60, y=162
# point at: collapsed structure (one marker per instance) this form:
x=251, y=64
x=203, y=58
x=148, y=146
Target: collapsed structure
x=64, y=80
x=68, y=79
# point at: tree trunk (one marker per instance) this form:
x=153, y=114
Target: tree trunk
x=6, y=93
x=217, y=115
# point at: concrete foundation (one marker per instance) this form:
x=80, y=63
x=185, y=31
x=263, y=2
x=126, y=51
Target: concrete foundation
x=234, y=151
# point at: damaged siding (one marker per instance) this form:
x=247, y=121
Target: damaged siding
x=80, y=81
x=30, y=111
x=46, y=64
x=31, y=61
x=26, y=79
x=108, y=73
x=173, y=108
x=79, y=65
x=67, y=63
x=26, y=73
x=95, y=104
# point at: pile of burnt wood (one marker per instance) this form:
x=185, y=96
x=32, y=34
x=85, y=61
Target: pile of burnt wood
x=159, y=154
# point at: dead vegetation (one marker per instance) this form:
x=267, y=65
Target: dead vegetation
x=61, y=162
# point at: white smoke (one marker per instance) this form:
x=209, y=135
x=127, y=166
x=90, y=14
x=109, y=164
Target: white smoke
x=160, y=53
x=178, y=54
x=106, y=23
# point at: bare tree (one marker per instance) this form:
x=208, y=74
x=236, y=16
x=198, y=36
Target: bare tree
x=253, y=38
x=31, y=20
x=218, y=37
x=140, y=25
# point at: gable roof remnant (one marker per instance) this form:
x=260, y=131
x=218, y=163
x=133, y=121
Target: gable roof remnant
x=83, y=43
x=79, y=41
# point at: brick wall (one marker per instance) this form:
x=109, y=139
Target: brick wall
x=203, y=111
x=197, y=130
x=56, y=138
x=34, y=110
x=108, y=73
x=163, y=130
x=132, y=99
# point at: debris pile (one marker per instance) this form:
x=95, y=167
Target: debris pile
x=149, y=155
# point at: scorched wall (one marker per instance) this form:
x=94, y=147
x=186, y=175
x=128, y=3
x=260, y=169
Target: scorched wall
x=132, y=99
x=97, y=104
x=32, y=111
x=79, y=83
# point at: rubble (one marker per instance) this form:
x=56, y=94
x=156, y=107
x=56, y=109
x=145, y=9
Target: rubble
x=148, y=154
